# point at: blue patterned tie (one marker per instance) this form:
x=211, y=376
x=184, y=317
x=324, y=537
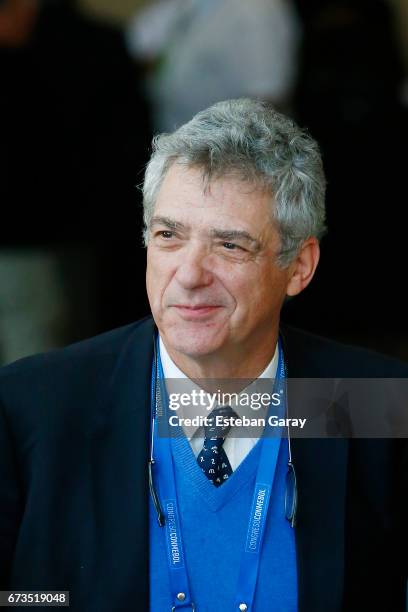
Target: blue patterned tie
x=212, y=458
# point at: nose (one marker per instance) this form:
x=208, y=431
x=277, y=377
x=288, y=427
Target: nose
x=193, y=270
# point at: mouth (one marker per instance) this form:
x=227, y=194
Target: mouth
x=199, y=311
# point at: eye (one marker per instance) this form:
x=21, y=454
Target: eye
x=230, y=246
x=165, y=234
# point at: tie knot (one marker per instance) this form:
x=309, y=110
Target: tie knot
x=218, y=424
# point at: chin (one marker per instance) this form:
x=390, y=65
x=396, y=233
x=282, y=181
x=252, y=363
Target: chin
x=193, y=342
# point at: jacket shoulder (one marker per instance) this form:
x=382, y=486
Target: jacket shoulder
x=72, y=378
x=310, y=355
x=98, y=348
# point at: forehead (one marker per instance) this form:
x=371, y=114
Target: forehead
x=185, y=194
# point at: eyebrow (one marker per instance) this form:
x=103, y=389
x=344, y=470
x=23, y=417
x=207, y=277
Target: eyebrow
x=168, y=222
x=234, y=235
x=230, y=234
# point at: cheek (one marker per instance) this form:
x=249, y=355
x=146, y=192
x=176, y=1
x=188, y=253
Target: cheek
x=258, y=291
x=159, y=274
x=154, y=277
x=241, y=287
x=234, y=281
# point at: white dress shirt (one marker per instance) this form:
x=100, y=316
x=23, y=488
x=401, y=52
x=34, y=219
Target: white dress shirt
x=236, y=448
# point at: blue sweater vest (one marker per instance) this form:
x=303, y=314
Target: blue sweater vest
x=214, y=523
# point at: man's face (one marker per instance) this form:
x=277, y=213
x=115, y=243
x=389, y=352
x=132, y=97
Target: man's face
x=212, y=279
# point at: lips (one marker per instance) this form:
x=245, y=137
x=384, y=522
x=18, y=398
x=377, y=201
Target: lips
x=198, y=311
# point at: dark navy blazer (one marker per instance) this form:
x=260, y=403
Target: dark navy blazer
x=74, y=439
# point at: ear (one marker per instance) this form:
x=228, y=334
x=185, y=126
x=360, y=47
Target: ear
x=302, y=268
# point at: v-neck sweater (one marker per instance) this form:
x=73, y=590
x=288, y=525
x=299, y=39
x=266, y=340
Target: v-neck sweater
x=214, y=524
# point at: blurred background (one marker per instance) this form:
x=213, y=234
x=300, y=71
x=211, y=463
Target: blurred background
x=85, y=84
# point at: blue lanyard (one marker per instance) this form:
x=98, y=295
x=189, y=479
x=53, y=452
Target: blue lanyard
x=179, y=583
x=252, y=550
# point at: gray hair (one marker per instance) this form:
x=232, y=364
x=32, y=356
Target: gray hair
x=247, y=138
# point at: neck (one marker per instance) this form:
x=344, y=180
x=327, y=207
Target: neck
x=227, y=364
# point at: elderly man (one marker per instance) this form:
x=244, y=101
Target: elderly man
x=234, y=208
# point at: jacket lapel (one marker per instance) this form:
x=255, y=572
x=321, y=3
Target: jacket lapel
x=321, y=470
x=321, y=467
x=120, y=453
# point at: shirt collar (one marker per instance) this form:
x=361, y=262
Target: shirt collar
x=172, y=371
